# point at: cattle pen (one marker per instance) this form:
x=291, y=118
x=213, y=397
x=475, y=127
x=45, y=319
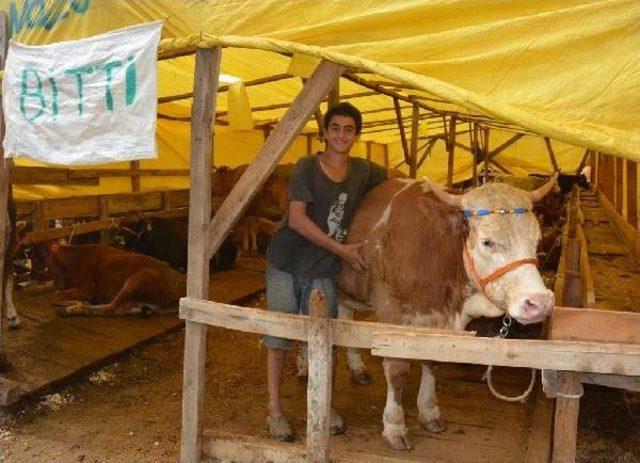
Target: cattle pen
x=578, y=350
x=569, y=357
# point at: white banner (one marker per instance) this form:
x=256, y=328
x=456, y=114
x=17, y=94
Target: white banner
x=83, y=102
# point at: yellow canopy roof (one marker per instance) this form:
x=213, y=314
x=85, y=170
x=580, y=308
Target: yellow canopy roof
x=566, y=69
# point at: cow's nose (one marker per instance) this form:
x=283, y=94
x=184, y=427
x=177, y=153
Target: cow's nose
x=538, y=305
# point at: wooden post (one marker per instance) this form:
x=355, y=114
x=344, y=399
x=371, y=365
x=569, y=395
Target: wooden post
x=565, y=427
x=135, y=176
x=485, y=154
x=583, y=161
x=474, y=153
x=309, y=144
x=451, y=146
x=368, y=150
x=624, y=209
x=205, y=89
x=334, y=95
x=413, y=164
x=619, y=184
x=5, y=175
x=386, y=156
x=104, y=215
x=319, y=385
x=272, y=151
x=403, y=136
x=552, y=155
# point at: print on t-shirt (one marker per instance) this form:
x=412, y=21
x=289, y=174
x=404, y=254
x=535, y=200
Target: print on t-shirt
x=334, y=221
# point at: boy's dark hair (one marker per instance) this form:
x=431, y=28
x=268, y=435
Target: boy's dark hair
x=344, y=109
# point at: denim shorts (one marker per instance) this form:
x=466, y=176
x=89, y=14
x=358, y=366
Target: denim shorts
x=289, y=294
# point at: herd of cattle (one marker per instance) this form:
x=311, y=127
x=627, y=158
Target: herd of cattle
x=434, y=259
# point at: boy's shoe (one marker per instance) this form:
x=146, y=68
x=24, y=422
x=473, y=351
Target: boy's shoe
x=279, y=428
x=336, y=424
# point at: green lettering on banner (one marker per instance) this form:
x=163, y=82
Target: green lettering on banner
x=33, y=14
x=25, y=93
x=54, y=98
x=78, y=72
x=131, y=81
x=108, y=68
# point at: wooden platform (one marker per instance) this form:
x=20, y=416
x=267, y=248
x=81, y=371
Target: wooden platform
x=49, y=349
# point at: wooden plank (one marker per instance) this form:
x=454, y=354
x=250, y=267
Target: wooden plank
x=608, y=326
x=421, y=343
x=557, y=355
x=63, y=208
x=205, y=87
x=632, y=193
x=619, y=184
x=485, y=150
x=539, y=441
x=320, y=380
x=248, y=449
x=505, y=145
x=629, y=383
x=552, y=155
x=271, y=152
x=413, y=164
x=5, y=179
x=588, y=288
x=630, y=235
x=403, y=135
x=121, y=204
x=565, y=428
x=451, y=146
x=135, y=176
x=346, y=333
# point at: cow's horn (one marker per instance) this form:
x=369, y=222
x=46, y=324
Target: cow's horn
x=539, y=193
x=448, y=198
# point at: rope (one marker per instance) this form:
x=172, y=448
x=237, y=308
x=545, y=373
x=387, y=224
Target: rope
x=522, y=398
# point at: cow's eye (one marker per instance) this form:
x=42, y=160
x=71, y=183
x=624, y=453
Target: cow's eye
x=487, y=243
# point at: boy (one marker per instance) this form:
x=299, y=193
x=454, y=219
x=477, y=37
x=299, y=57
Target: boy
x=305, y=252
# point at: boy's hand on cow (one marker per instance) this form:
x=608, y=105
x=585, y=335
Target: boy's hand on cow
x=350, y=253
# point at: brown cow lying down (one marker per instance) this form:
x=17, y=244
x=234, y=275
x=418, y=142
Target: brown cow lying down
x=439, y=260
x=107, y=281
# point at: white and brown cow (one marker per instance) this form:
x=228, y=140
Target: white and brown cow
x=430, y=265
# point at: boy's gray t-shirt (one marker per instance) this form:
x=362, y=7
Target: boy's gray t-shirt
x=330, y=205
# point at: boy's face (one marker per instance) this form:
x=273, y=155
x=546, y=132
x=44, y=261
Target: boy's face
x=340, y=135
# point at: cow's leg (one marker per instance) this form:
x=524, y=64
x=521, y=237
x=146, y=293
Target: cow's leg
x=359, y=373
x=254, y=235
x=12, y=314
x=125, y=301
x=395, y=432
x=302, y=362
x=427, y=403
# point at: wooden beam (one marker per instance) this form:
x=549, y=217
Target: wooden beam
x=485, y=150
x=403, y=136
x=428, y=147
x=583, y=162
x=5, y=184
x=205, y=89
x=500, y=166
x=272, y=151
x=505, y=145
x=414, y=342
x=386, y=156
x=474, y=153
x=413, y=164
x=552, y=155
x=320, y=381
x=227, y=447
x=334, y=95
x=451, y=146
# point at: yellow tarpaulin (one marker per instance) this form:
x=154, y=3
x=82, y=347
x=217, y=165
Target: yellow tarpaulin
x=567, y=69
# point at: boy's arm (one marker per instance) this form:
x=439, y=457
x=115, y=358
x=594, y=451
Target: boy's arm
x=301, y=223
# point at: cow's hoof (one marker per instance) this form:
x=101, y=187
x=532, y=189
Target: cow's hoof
x=397, y=440
x=435, y=425
x=14, y=323
x=336, y=424
x=361, y=377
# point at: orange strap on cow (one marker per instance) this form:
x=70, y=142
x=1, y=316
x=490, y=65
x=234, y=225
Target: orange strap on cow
x=482, y=282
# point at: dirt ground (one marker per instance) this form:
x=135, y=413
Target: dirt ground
x=129, y=411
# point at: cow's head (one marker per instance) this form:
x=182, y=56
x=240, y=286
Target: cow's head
x=500, y=248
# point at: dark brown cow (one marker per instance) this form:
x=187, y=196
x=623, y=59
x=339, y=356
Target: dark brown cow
x=106, y=281
x=430, y=265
